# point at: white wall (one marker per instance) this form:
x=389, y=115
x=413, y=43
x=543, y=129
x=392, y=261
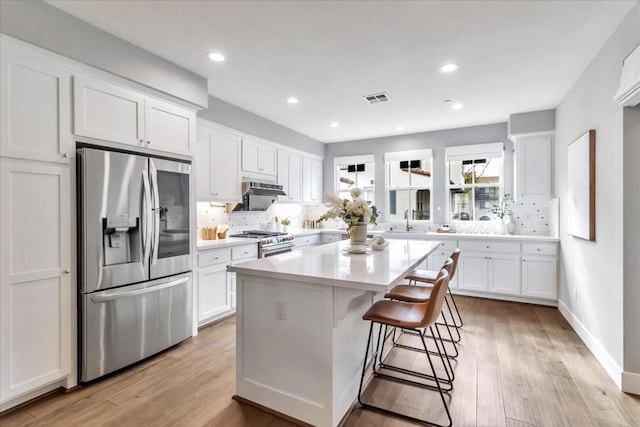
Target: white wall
x=50, y=28
x=595, y=269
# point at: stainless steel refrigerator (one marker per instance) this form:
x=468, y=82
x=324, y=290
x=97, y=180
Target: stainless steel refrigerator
x=135, y=258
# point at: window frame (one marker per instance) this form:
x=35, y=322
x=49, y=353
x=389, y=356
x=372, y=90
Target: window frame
x=472, y=153
x=367, y=159
x=409, y=155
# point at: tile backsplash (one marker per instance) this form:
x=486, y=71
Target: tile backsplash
x=214, y=214
x=532, y=218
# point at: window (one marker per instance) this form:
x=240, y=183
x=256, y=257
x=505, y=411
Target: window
x=475, y=176
x=355, y=172
x=409, y=184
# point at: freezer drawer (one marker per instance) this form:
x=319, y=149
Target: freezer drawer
x=125, y=325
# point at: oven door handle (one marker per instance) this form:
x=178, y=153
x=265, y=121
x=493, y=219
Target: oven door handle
x=127, y=294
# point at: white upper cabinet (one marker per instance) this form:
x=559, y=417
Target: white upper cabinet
x=35, y=275
x=106, y=111
x=258, y=157
x=290, y=175
x=312, y=180
x=168, y=127
x=217, y=165
x=35, y=114
x=112, y=113
x=532, y=166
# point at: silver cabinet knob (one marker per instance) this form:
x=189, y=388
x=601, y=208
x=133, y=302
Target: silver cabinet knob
x=65, y=155
x=148, y=142
x=67, y=271
x=142, y=140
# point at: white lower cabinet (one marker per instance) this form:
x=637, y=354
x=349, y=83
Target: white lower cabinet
x=213, y=295
x=490, y=267
x=35, y=274
x=540, y=271
x=330, y=238
x=437, y=259
x=307, y=240
x=216, y=286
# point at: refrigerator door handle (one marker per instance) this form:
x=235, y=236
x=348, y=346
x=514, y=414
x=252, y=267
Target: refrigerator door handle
x=156, y=211
x=147, y=213
x=117, y=295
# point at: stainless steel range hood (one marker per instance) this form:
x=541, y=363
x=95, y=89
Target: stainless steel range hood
x=258, y=196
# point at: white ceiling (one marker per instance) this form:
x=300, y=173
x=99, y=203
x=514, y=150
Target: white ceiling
x=514, y=56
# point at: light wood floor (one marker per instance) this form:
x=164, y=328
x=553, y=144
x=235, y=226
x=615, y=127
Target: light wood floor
x=520, y=365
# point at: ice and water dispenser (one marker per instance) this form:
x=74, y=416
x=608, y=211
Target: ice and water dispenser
x=120, y=233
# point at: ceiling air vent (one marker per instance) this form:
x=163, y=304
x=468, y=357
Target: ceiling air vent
x=377, y=98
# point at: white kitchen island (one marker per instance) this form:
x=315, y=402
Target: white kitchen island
x=300, y=334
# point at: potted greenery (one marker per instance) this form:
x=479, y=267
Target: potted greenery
x=285, y=222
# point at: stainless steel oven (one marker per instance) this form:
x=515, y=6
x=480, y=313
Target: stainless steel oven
x=271, y=243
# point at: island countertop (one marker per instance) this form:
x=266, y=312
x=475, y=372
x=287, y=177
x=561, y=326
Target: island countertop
x=332, y=265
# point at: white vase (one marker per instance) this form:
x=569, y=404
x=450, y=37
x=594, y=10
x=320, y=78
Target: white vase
x=502, y=228
x=510, y=224
x=358, y=234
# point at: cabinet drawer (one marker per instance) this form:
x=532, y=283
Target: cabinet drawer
x=447, y=245
x=489, y=246
x=540, y=249
x=212, y=257
x=312, y=239
x=244, y=251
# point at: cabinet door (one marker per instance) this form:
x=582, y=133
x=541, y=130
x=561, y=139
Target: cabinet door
x=283, y=174
x=250, y=155
x=312, y=180
x=35, y=110
x=168, y=127
x=226, y=180
x=268, y=160
x=202, y=159
x=504, y=273
x=533, y=167
x=473, y=272
x=295, y=178
x=213, y=298
x=105, y=111
x=437, y=259
x=35, y=282
x=540, y=276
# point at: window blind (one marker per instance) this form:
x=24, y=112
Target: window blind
x=399, y=156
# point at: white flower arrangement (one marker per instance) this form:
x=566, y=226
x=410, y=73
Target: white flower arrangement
x=350, y=211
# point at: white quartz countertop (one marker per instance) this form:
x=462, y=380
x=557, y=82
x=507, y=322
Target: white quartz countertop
x=222, y=243
x=468, y=236
x=331, y=265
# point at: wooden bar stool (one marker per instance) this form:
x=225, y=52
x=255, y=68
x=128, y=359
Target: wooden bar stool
x=421, y=294
x=412, y=317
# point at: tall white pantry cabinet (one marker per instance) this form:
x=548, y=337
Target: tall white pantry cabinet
x=47, y=103
x=35, y=203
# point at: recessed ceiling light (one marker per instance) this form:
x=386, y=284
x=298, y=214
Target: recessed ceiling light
x=447, y=101
x=216, y=56
x=292, y=100
x=399, y=128
x=334, y=124
x=449, y=68
x=457, y=106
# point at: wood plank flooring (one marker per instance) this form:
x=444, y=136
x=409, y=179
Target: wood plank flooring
x=519, y=366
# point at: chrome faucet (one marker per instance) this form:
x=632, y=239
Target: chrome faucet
x=406, y=215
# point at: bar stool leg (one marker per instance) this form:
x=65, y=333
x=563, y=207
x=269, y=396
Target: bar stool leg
x=437, y=386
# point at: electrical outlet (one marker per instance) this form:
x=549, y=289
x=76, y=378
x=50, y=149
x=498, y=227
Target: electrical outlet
x=281, y=310
x=575, y=294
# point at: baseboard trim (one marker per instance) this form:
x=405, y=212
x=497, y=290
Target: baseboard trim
x=631, y=383
x=593, y=344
